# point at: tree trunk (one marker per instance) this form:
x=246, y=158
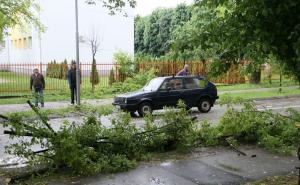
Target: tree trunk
x=280, y=80
x=255, y=77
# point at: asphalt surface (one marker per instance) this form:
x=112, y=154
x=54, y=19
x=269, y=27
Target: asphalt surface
x=211, y=166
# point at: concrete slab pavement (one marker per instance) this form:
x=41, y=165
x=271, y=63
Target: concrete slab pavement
x=210, y=166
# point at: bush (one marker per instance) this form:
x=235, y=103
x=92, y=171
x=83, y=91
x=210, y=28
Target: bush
x=131, y=84
x=126, y=65
x=111, y=77
x=94, y=78
x=55, y=70
x=273, y=131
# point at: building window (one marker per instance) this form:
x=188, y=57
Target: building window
x=16, y=44
x=20, y=44
x=25, y=44
x=29, y=45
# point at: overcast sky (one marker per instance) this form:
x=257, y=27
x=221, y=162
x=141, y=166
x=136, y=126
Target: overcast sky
x=145, y=7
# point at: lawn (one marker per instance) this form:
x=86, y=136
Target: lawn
x=12, y=84
x=286, y=81
x=264, y=94
x=58, y=90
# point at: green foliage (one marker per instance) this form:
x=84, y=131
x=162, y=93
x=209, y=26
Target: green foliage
x=131, y=84
x=94, y=78
x=111, y=77
x=154, y=33
x=114, y=6
x=93, y=148
x=15, y=12
x=57, y=70
x=272, y=131
x=126, y=64
x=264, y=38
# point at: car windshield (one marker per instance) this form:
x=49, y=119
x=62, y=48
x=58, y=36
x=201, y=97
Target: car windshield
x=153, y=85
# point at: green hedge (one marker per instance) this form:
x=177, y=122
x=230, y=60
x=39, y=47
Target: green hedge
x=57, y=70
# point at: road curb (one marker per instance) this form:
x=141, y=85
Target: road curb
x=276, y=97
x=270, y=98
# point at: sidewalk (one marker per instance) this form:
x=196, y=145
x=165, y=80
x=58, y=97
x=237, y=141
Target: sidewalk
x=209, y=166
x=50, y=105
x=257, y=90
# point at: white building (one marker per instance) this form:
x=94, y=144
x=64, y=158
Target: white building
x=58, y=41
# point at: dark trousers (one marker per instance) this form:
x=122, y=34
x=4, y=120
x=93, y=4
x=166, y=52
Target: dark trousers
x=73, y=93
x=38, y=95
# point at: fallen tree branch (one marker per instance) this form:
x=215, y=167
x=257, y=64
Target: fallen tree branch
x=14, y=133
x=45, y=121
x=235, y=149
x=4, y=117
x=41, y=151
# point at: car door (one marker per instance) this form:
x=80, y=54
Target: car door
x=170, y=92
x=193, y=89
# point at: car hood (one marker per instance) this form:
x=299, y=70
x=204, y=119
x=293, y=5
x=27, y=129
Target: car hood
x=134, y=94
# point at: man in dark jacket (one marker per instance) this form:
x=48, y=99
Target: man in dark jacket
x=72, y=81
x=37, y=82
x=184, y=71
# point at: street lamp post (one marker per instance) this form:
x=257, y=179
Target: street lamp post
x=77, y=56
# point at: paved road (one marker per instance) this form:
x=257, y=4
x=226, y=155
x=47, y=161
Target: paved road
x=275, y=104
x=63, y=104
x=212, y=166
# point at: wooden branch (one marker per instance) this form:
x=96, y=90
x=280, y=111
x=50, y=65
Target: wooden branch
x=10, y=132
x=29, y=128
x=41, y=151
x=235, y=149
x=41, y=117
x=28, y=134
x=283, y=116
x=4, y=117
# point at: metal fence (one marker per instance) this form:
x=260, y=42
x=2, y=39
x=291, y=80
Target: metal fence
x=15, y=78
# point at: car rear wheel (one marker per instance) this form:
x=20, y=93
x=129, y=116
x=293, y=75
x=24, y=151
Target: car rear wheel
x=145, y=108
x=204, y=105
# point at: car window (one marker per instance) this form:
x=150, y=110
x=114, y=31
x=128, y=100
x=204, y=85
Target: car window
x=153, y=85
x=191, y=83
x=173, y=84
x=202, y=83
x=195, y=83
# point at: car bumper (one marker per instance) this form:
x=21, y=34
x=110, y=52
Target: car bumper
x=127, y=107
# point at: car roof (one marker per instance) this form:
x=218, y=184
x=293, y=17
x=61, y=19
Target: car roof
x=165, y=77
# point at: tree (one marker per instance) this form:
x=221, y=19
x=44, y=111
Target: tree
x=139, y=29
x=14, y=12
x=153, y=34
x=254, y=29
x=94, y=78
x=114, y=6
x=93, y=42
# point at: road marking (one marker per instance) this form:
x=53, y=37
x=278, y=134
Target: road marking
x=278, y=108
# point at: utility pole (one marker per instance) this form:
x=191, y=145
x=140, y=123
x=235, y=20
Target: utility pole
x=77, y=56
x=40, y=45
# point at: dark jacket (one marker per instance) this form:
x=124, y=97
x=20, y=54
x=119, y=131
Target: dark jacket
x=72, y=77
x=183, y=72
x=37, y=81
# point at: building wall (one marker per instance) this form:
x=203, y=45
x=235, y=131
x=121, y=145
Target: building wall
x=58, y=41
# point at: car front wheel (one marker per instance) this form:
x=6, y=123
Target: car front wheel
x=144, y=109
x=204, y=105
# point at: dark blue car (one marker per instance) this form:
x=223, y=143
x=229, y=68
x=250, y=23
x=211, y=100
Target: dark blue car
x=167, y=91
